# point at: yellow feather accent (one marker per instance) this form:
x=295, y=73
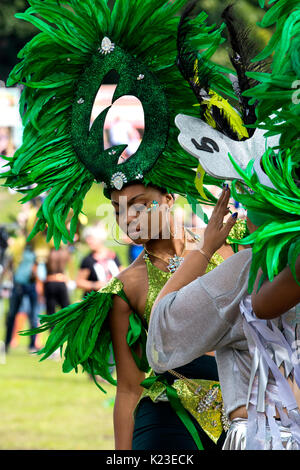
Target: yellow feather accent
x=199, y=181
x=196, y=71
x=234, y=119
x=232, y=116
x=209, y=119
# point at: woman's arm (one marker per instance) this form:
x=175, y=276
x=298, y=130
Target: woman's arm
x=277, y=297
x=129, y=376
x=195, y=263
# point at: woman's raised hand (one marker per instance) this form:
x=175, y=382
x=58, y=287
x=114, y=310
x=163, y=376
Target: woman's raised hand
x=216, y=231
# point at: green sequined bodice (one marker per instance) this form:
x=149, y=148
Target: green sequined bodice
x=158, y=278
x=156, y=281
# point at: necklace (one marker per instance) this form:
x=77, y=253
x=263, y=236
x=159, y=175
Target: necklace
x=173, y=261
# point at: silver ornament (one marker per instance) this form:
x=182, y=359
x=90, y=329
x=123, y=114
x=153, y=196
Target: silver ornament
x=118, y=180
x=106, y=46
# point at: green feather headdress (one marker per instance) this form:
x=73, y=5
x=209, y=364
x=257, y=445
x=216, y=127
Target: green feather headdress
x=62, y=69
x=276, y=243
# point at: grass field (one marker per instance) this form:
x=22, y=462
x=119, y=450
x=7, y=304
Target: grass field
x=43, y=409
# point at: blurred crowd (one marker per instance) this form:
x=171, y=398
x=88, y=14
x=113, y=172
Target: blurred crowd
x=36, y=278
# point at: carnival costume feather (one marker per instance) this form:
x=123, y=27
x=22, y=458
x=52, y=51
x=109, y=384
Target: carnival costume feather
x=268, y=187
x=276, y=242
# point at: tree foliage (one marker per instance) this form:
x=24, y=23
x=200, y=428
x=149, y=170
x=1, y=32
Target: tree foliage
x=15, y=33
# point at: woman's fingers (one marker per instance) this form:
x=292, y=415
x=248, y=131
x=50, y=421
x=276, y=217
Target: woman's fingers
x=221, y=208
x=229, y=224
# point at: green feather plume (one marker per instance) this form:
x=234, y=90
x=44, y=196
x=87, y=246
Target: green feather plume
x=276, y=242
x=81, y=331
x=278, y=109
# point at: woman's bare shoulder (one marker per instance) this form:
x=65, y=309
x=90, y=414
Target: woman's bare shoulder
x=132, y=277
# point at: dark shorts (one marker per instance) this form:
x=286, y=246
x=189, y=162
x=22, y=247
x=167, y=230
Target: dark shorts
x=56, y=295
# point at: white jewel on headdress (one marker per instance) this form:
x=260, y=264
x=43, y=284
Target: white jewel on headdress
x=106, y=46
x=118, y=180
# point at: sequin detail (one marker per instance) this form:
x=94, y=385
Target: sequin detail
x=238, y=231
x=215, y=260
x=107, y=46
x=118, y=180
x=115, y=286
x=156, y=281
x=211, y=418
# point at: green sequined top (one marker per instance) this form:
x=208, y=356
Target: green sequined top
x=158, y=278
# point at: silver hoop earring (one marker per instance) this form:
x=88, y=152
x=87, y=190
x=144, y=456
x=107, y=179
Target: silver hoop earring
x=168, y=223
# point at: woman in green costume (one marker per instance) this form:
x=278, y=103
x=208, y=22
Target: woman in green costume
x=141, y=283
x=61, y=69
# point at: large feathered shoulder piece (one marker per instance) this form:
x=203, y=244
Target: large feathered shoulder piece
x=275, y=211
x=271, y=193
x=62, y=69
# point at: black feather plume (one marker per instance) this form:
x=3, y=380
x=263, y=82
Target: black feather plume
x=243, y=51
x=187, y=57
x=199, y=73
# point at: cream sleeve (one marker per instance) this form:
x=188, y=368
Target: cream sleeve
x=200, y=317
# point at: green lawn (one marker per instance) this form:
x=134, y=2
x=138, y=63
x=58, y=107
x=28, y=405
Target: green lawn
x=43, y=409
